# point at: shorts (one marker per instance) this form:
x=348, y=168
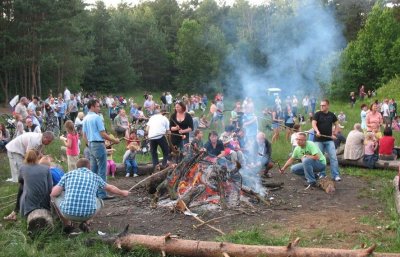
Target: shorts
x=275, y=125
x=289, y=125
x=57, y=201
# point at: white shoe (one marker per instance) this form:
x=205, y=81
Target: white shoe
x=135, y=175
x=127, y=174
x=9, y=180
x=337, y=179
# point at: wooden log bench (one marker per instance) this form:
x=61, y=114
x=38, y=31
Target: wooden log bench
x=380, y=164
x=39, y=220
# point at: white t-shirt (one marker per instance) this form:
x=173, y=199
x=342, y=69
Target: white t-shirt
x=158, y=126
x=67, y=94
x=168, y=98
x=385, y=109
x=25, y=142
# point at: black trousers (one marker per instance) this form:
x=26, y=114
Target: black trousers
x=154, y=143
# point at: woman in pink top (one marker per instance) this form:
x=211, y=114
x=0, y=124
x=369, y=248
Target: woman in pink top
x=71, y=142
x=374, y=119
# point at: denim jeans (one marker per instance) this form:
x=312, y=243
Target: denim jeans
x=131, y=166
x=329, y=148
x=307, y=168
x=98, y=163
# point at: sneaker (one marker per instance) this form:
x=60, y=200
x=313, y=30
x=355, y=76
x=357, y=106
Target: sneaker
x=321, y=176
x=135, y=175
x=127, y=174
x=9, y=180
x=337, y=179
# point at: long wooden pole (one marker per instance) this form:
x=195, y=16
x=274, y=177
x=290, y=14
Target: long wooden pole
x=217, y=249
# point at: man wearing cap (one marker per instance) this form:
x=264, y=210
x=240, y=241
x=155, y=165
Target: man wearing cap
x=94, y=134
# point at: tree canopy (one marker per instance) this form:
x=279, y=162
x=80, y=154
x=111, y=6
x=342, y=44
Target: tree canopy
x=194, y=46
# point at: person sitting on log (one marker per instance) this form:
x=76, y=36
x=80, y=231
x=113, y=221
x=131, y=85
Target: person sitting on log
x=312, y=160
x=386, y=146
x=354, y=146
x=215, y=149
x=370, y=146
x=35, y=186
x=74, y=197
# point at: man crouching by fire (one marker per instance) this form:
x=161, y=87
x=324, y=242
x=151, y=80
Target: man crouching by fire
x=313, y=162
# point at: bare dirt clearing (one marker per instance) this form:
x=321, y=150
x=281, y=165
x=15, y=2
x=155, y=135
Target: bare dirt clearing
x=328, y=220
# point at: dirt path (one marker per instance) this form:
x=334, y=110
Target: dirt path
x=329, y=220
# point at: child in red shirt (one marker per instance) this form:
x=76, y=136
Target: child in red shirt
x=386, y=145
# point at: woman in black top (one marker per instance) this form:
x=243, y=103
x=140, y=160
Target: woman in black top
x=181, y=123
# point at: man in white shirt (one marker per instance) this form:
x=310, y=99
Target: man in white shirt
x=17, y=148
x=168, y=98
x=157, y=128
x=67, y=95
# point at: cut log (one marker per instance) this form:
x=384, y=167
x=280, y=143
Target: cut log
x=39, y=220
x=216, y=249
x=380, y=164
x=327, y=185
x=396, y=184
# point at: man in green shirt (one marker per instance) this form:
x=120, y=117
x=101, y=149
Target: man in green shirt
x=311, y=157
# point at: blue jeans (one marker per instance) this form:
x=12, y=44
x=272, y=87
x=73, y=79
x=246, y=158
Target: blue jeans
x=329, y=148
x=131, y=166
x=307, y=168
x=98, y=163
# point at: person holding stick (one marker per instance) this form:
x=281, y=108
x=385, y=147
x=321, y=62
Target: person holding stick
x=94, y=134
x=312, y=160
x=157, y=128
x=322, y=123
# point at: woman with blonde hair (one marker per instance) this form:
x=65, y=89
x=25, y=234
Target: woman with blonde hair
x=35, y=186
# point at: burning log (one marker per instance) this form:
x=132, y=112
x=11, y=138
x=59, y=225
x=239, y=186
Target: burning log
x=259, y=197
x=169, y=245
x=158, y=176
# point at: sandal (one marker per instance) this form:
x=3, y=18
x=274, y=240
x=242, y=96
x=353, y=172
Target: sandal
x=11, y=217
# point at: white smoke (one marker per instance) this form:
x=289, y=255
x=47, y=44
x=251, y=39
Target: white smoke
x=299, y=43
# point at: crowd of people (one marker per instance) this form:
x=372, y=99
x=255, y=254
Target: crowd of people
x=171, y=124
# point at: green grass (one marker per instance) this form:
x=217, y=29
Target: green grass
x=15, y=242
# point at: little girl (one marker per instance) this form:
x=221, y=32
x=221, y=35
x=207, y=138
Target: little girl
x=370, y=146
x=71, y=142
x=132, y=138
x=129, y=160
x=111, y=166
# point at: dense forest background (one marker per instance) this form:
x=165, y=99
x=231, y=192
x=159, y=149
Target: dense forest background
x=197, y=46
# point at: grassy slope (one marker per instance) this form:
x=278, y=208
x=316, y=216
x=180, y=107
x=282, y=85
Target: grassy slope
x=14, y=242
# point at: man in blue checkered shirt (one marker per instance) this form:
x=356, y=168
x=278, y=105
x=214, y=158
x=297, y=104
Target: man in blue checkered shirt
x=78, y=202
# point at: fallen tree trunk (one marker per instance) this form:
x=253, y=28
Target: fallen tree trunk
x=143, y=169
x=168, y=245
x=39, y=220
x=396, y=184
x=380, y=164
